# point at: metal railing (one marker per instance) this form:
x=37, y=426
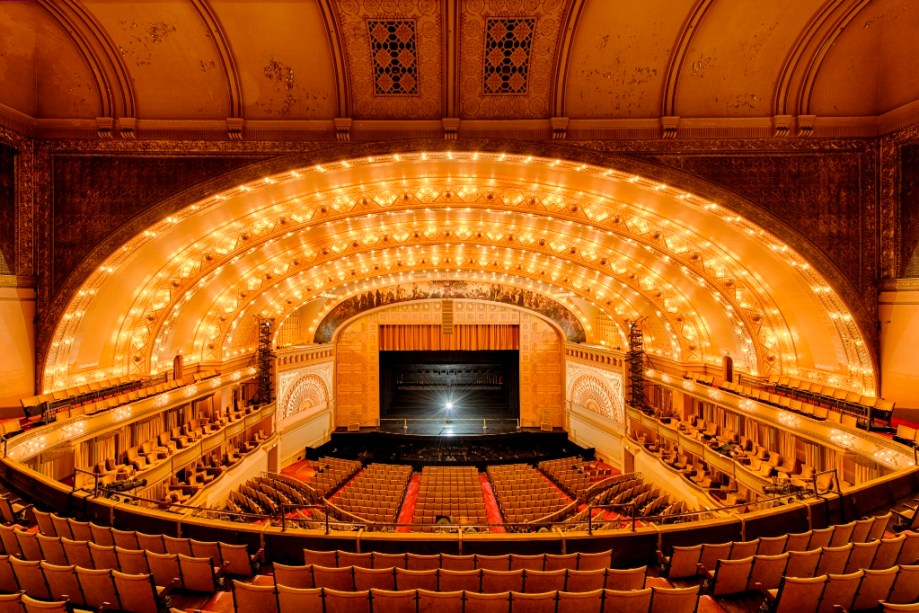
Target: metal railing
x=450, y=425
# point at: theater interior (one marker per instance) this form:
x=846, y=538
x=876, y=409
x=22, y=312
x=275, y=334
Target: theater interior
x=513, y=306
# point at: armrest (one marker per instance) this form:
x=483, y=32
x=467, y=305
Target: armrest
x=258, y=556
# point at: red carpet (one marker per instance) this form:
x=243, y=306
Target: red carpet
x=493, y=512
x=407, y=512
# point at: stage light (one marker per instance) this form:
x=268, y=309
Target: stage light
x=449, y=405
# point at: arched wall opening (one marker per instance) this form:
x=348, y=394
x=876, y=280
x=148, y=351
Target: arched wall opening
x=611, y=244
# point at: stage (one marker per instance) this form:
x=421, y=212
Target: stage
x=435, y=448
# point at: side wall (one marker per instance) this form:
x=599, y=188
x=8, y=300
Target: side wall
x=17, y=337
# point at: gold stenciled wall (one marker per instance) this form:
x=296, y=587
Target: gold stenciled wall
x=357, y=385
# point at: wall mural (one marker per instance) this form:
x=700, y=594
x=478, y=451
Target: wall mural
x=597, y=390
x=458, y=289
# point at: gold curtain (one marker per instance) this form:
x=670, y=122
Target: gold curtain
x=483, y=337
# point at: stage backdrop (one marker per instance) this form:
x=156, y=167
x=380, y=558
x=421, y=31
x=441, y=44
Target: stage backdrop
x=541, y=347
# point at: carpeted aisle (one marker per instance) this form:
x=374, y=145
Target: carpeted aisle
x=407, y=512
x=492, y=510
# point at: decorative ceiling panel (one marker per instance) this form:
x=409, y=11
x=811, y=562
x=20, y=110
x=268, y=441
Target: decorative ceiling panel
x=394, y=58
x=508, y=48
x=507, y=55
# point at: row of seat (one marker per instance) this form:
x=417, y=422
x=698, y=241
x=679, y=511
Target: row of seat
x=94, y=588
x=839, y=398
x=863, y=590
x=683, y=559
x=234, y=557
x=414, y=561
x=281, y=599
x=193, y=573
x=91, y=389
x=351, y=578
x=23, y=603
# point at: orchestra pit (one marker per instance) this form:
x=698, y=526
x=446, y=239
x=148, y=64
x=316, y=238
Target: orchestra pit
x=472, y=306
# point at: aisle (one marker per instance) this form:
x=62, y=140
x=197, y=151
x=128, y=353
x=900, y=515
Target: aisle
x=492, y=510
x=407, y=512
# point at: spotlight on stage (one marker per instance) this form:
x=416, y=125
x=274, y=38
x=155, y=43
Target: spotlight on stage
x=449, y=405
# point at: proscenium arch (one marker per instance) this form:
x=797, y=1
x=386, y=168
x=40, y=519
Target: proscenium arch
x=579, y=190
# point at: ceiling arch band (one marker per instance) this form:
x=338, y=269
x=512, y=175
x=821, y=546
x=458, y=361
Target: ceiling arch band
x=710, y=281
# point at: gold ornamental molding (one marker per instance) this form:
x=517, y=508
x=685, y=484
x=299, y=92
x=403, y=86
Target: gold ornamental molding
x=18, y=281
x=899, y=285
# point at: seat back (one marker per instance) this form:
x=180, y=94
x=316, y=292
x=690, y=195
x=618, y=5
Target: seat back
x=802, y=563
x=151, y=542
x=340, y=578
x=165, y=568
x=415, y=561
x=528, y=562
x=798, y=594
x=61, y=526
x=674, y=600
x=842, y=534
x=236, y=558
x=630, y=601
x=9, y=541
x=888, y=552
x=7, y=576
x=433, y=601
x=585, y=580
x=101, y=535
x=862, y=555
x=455, y=580
x=840, y=591
x=137, y=593
x=767, y=571
x=626, y=579
x=62, y=580
x=744, y=549
x=177, y=545
x=103, y=557
x=712, y=552
x=879, y=526
x=28, y=544
x=459, y=562
x=536, y=581
x=31, y=605
x=81, y=530
x=684, y=561
x=348, y=558
x=797, y=541
x=503, y=580
x=592, y=561
x=45, y=525
x=374, y=578
x=833, y=559
x=132, y=561
x=323, y=558
x=77, y=552
x=126, y=539
x=197, y=574
x=488, y=603
x=905, y=586
x=389, y=560
x=294, y=576
x=875, y=586
x=30, y=578
x=522, y=602
x=820, y=538
x=339, y=601
x=263, y=598
x=98, y=588
x=731, y=576
x=909, y=552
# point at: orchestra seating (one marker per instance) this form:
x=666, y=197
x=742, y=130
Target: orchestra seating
x=376, y=493
x=454, y=493
x=524, y=493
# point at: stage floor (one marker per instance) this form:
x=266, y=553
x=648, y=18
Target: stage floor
x=448, y=427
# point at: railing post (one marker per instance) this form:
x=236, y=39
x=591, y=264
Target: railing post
x=326, y=520
x=590, y=517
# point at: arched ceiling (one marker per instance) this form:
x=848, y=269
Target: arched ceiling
x=612, y=246
x=836, y=67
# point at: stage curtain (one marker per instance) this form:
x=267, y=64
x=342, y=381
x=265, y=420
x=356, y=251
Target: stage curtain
x=409, y=337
